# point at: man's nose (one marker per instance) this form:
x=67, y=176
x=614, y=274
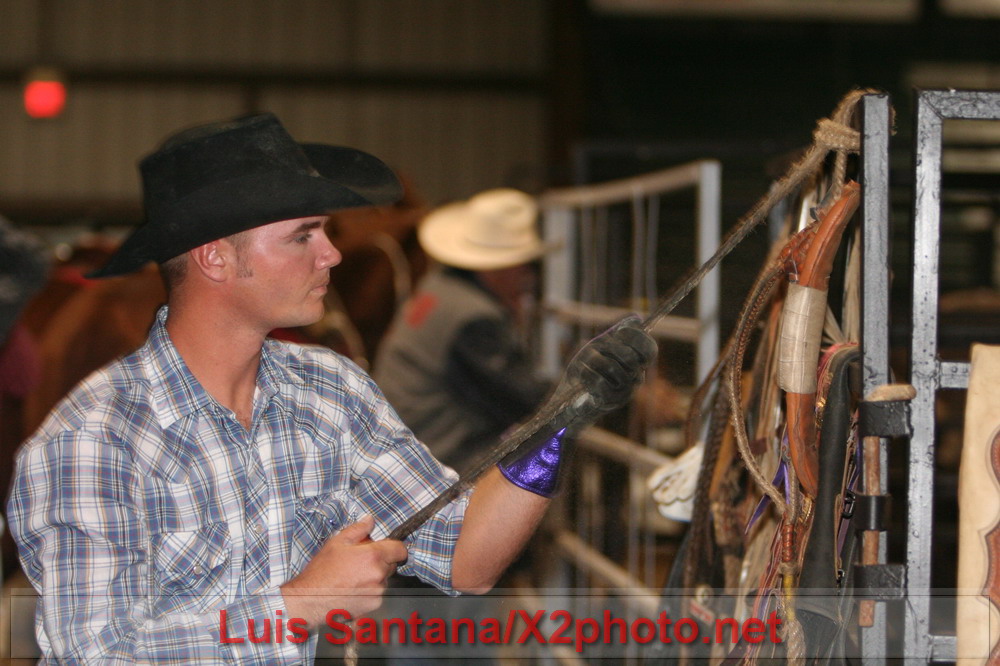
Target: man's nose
x=329, y=255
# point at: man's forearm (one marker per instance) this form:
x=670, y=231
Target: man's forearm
x=498, y=522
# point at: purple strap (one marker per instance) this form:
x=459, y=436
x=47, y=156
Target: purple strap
x=780, y=474
x=537, y=470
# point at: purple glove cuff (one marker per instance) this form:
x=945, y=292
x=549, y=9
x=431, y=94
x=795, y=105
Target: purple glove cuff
x=537, y=470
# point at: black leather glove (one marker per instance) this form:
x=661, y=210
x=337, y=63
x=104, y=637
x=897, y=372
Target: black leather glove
x=607, y=370
x=601, y=376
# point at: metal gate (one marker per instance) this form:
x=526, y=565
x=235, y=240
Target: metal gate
x=613, y=236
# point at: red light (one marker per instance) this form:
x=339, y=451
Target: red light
x=44, y=99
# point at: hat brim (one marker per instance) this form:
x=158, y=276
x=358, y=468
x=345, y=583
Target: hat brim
x=441, y=235
x=347, y=178
x=362, y=173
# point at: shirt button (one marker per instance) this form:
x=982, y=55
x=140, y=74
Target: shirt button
x=258, y=528
x=197, y=570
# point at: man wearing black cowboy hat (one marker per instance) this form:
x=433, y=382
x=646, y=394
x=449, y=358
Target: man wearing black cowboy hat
x=214, y=494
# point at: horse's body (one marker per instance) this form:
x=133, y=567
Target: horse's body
x=95, y=323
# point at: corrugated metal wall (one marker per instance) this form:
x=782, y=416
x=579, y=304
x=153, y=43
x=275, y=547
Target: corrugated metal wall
x=450, y=92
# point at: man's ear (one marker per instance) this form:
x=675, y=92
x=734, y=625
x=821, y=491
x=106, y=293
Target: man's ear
x=214, y=260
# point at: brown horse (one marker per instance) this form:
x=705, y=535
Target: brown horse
x=99, y=321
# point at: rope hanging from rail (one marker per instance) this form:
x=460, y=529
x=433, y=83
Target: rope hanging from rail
x=831, y=134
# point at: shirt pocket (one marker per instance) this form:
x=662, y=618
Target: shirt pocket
x=191, y=568
x=320, y=471
x=317, y=518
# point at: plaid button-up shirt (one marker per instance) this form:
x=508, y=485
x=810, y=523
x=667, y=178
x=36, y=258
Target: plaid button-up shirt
x=128, y=508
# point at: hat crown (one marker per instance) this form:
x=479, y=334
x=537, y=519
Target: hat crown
x=222, y=178
x=207, y=154
x=502, y=218
x=493, y=230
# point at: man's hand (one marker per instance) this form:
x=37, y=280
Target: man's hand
x=608, y=369
x=602, y=376
x=348, y=572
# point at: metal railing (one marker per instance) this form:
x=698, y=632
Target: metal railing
x=608, y=537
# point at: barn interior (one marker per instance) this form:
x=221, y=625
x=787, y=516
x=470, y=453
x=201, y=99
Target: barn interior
x=649, y=132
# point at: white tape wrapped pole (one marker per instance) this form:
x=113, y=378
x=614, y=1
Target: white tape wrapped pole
x=801, y=333
x=978, y=615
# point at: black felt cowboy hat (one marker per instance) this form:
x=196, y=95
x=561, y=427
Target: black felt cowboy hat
x=216, y=180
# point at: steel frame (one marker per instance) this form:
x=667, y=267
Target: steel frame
x=928, y=373
x=570, y=212
x=875, y=257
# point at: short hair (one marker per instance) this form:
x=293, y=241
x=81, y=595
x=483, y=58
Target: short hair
x=240, y=240
x=174, y=270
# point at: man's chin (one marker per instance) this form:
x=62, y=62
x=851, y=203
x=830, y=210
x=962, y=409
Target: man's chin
x=313, y=317
x=303, y=319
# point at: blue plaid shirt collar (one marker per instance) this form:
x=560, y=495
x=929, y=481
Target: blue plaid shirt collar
x=178, y=395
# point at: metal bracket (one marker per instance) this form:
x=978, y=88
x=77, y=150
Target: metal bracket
x=885, y=418
x=872, y=513
x=881, y=582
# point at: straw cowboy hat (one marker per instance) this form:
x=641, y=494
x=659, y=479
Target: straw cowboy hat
x=494, y=229
x=215, y=180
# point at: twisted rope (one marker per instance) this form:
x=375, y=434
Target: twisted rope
x=835, y=135
x=764, y=290
x=792, y=634
x=831, y=134
x=700, y=531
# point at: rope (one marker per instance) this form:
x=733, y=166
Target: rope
x=701, y=541
x=830, y=134
x=765, y=288
x=551, y=416
x=719, y=418
x=792, y=634
x=834, y=135
x=351, y=651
